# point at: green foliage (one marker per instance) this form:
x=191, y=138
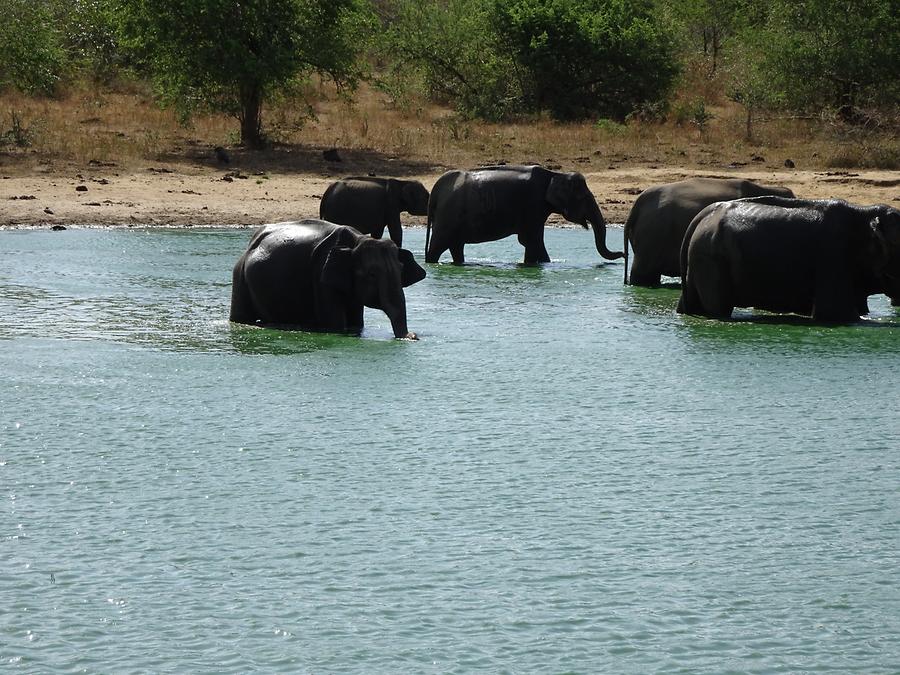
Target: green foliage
x=90, y=36
x=576, y=58
x=693, y=112
x=18, y=134
x=610, y=126
x=451, y=47
x=232, y=56
x=836, y=53
x=706, y=26
x=500, y=58
x=31, y=54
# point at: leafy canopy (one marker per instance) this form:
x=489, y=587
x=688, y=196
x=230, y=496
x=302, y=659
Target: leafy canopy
x=231, y=55
x=32, y=57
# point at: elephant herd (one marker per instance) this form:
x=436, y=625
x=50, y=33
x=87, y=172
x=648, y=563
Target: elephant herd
x=732, y=242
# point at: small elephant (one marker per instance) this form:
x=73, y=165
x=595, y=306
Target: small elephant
x=661, y=215
x=813, y=257
x=315, y=275
x=494, y=202
x=370, y=204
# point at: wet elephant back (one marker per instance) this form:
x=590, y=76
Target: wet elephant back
x=495, y=201
x=775, y=257
x=278, y=271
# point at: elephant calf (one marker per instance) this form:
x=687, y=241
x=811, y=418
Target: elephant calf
x=371, y=204
x=661, y=215
x=818, y=258
x=315, y=275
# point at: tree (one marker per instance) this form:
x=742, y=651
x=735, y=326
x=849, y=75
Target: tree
x=451, y=46
x=842, y=54
x=578, y=58
x=89, y=36
x=232, y=55
x=710, y=23
x=31, y=53
x=499, y=58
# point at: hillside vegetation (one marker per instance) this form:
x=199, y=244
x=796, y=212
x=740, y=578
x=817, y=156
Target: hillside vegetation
x=453, y=82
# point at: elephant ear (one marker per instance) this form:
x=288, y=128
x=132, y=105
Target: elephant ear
x=408, y=195
x=412, y=272
x=337, y=270
x=559, y=192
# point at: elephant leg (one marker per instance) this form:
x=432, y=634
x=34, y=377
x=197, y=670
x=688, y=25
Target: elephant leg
x=456, y=250
x=377, y=232
x=535, y=251
x=395, y=230
x=436, y=246
x=354, y=319
x=895, y=301
x=242, y=310
x=707, y=294
x=833, y=300
x=642, y=275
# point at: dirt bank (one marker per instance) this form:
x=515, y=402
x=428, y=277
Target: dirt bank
x=191, y=195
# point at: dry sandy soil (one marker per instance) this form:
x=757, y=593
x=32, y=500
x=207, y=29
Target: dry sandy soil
x=244, y=193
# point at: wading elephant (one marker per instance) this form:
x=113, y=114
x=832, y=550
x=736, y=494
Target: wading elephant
x=370, y=204
x=661, y=215
x=491, y=203
x=818, y=258
x=315, y=275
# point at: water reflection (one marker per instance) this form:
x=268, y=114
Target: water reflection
x=791, y=333
x=273, y=341
x=657, y=302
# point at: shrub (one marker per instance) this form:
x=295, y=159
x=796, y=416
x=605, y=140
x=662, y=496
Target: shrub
x=578, y=58
x=31, y=54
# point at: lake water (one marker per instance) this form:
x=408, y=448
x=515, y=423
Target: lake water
x=562, y=475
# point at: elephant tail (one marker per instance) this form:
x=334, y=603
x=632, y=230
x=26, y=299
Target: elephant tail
x=432, y=204
x=626, y=234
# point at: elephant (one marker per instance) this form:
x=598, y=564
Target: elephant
x=494, y=202
x=318, y=276
x=369, y=204
x=819, y=258
x=661, y=215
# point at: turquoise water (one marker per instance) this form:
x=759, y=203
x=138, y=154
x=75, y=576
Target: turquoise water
x=562, y=475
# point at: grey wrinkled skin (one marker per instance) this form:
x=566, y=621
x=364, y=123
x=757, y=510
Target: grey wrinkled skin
x=370, y=204
x=490, y=203
x=819, y=258
x=318, y=276
x=661, y=214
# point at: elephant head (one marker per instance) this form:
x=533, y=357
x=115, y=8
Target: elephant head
x=413, y=197
x=373, y=273
x=569, y=196
x=883, y=250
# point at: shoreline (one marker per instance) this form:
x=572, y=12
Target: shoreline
x=186, y=195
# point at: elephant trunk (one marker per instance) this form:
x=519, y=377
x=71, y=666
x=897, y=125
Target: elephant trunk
x=393, y=303
x=599, y=226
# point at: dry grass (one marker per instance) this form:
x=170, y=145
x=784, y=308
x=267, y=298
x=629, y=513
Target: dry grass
x=127, y=128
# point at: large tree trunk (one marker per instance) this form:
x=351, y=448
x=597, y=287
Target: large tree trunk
x=251, y=116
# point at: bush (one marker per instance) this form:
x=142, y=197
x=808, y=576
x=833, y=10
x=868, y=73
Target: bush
x=31, y=53
x=579, y=58
x=234, y=60
x=816, y=54
x=451, y=47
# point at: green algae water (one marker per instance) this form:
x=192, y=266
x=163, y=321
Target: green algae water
x=562, y=475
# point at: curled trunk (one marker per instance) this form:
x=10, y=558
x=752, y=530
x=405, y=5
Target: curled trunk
x=598, y=224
